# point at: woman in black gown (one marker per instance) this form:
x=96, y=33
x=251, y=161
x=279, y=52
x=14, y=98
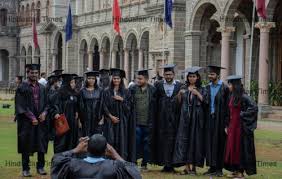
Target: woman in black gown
x=51, y=88
x=66, y=102
x=189, y=148
x=240, y=153
x=90, y=105
x=116, y=106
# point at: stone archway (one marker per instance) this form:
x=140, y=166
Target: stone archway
x=203, y=39
x=83, y=56
x=57, y=54
x=117, y=52
x=131, y=46
x=94, y=60
x=275, y=8
x=144, y=50
x=4, y=65
x=105, y=53
x=37, y=56
x=29, y=55
x=22, y=61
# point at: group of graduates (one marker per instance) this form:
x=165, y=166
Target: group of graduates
x=166, y=123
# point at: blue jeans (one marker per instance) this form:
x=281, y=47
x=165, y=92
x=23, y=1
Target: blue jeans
x=142, y=142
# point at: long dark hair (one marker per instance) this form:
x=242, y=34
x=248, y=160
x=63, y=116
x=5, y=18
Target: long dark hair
x=237, y=92
x=50, y=83
x=198, y=82
x=95, y=84
x=121, y=85
x=65, y=91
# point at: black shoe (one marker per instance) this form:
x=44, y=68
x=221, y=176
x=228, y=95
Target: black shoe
x=41, y=171
x=26, y=173
x=219, y=173
x=168, y=170
x=210, y=172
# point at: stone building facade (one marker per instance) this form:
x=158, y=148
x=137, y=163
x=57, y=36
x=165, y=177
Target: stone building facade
x=204, y=32
x=8, y=39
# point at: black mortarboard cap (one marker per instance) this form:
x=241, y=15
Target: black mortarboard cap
x=53, y=77
x=57, y=72
x=168, y=67
x=32, y=66
x=143, y=72
x=194, y=69
x=104, y=71
x=20, y=77
x=92, y=73
x=234, y=78
x=67, y=77
x=215, y=69
x=78, y=78
x=117, y=72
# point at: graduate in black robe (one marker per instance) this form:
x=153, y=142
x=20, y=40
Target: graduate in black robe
x=104, y=79
x=117, y=109
x=166, y=124
x=66, y=102
x=101, y=162
x=90, y=105
x=51, y=88
x=189, y=147
x=78, y=83
x=217, y=115
x=240, y=155
x=32, y=127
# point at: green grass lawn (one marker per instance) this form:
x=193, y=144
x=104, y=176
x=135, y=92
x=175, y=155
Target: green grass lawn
x=7, y=112
x=268, y=149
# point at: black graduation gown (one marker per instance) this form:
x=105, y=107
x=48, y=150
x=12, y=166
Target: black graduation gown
x=104, y=81
x=50, y=101
x=66, y=166
x=90, y=107
x=66, y=104
x=165, y=126
x=189, y=147
x=151, y=117
x=117, y=134
x=248, y=123
x=31, y=138
x=215, y=133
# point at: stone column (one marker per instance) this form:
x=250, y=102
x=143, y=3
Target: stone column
x=192, y=50
x=247, y=73
x=132, y=63
x=126, y=64
x=121, y=59
x=78, y=7
x=114, y=59
x=146, y=63
x=90, y=60
x=141, y=59
x=102, y=55
x=264, y=61
x=54, y=60
x=225, y=50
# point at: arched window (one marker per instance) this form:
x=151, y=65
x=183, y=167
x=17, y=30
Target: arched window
x=27, y=15
x=47, y=8
x=32, y=13
x=3, y=17
x=38, y=12
x=22, y=19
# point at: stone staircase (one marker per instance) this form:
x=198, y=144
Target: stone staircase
x=275, y=114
